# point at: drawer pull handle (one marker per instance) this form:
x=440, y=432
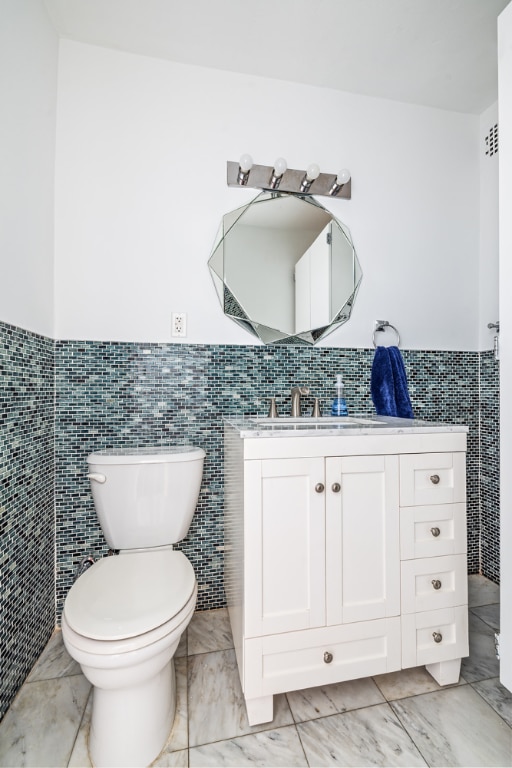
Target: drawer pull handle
x=435, y=531
x=336, y=487
x=437, y=637
x=319, y=487
x=328, y=657
x=434, y=479
x=436, y=584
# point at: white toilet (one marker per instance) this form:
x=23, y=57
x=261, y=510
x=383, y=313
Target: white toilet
x=123, y=618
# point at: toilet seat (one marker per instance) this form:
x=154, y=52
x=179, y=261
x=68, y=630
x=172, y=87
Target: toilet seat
x=127, y=596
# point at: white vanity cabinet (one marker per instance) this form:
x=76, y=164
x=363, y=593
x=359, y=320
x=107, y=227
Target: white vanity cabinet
x=332, y=569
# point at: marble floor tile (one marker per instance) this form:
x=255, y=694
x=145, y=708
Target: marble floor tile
x=408, y=682
x=363, y=737
x=172, y=760
x=181, y=650
x=497, y=696
x=41, y=726
x=481, y=663
x=54, y=661
x=278, y=748
x=80, y=754
x=455, y=727
x=482, y=591
x=490, y=614
x=312, y=703
x=178, y=738
x=209, y=631
x=216, y=704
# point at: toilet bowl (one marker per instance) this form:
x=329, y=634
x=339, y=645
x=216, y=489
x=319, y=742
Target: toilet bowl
x=123, y=618
x=126, y=649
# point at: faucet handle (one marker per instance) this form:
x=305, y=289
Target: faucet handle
x=316, y=409
x=272, y=411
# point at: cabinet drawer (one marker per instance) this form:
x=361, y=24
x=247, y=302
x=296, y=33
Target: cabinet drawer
x=296, y=660
x=432, y=478
x=434, y=582
x=420, y=631
x=433, y=530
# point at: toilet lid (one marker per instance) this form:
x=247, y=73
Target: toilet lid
x=126, y=595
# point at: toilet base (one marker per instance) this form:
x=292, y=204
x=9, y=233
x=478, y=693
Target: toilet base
x=130, y=726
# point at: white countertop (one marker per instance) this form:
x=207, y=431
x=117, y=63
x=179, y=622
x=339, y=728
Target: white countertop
x=248, y=427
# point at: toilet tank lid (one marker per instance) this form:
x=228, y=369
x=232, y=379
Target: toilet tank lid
x=152, y=455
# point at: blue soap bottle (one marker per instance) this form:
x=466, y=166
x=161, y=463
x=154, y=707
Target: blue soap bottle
x=339, y=406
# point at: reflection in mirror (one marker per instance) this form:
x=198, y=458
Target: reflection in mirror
x=285, y=269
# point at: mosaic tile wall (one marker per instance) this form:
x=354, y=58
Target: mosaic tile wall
x=27, y=533
x=118, y=394
x=490, y=466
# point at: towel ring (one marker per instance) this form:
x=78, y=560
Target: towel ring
x=381, y=325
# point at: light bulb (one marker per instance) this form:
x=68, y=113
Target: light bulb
x=245, y=163
x=312, y=172
x=280, y=166
x=343, y=176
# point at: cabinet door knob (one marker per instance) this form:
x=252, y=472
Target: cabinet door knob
x=328, y=657
x=319, y=487
x=437, y=637
x=435, y=531
x=434, y=479
x=436, y=584
x=336, y=487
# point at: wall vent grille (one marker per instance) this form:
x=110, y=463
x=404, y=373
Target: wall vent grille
x=491, y=141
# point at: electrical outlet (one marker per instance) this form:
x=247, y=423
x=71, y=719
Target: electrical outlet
x=179, y=324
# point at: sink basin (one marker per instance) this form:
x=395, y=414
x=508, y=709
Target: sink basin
x=339, y=421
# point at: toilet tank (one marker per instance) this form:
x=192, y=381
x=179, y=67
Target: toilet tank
x=145, y=497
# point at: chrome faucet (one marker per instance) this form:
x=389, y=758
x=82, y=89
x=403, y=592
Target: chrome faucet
x=296, y=393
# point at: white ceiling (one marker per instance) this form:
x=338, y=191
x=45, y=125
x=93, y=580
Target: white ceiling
x=439, y=53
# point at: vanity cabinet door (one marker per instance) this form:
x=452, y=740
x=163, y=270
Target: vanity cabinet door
x=362, y=538
x=284, y=543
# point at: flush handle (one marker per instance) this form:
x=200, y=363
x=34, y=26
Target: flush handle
x=437, y=637
x=435, y=531
x=319, y=487
x=97, y=477
x=434, y=479
x=436, y=583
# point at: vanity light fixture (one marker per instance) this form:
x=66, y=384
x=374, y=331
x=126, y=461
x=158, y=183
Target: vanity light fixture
x=280, y=178
x=244, y=169
x=342, y=178
x=312, y=173
x=280, y=166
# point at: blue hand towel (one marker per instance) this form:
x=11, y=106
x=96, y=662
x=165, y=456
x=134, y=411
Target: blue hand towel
x=389, y=390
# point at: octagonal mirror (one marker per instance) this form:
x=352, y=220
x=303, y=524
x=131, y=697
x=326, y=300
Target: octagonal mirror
x=285, y=269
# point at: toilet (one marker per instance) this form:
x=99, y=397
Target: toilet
x=123, y=618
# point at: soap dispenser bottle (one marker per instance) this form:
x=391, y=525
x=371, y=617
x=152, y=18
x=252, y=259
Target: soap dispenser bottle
x=339, y=406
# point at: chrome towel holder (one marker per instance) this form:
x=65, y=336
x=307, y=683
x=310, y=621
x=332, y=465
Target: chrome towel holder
x=381, y=325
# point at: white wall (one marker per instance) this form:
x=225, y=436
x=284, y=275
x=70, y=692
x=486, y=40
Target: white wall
x=28, y=89
x=488, y=265
x=505, y=263
x=142, y=146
